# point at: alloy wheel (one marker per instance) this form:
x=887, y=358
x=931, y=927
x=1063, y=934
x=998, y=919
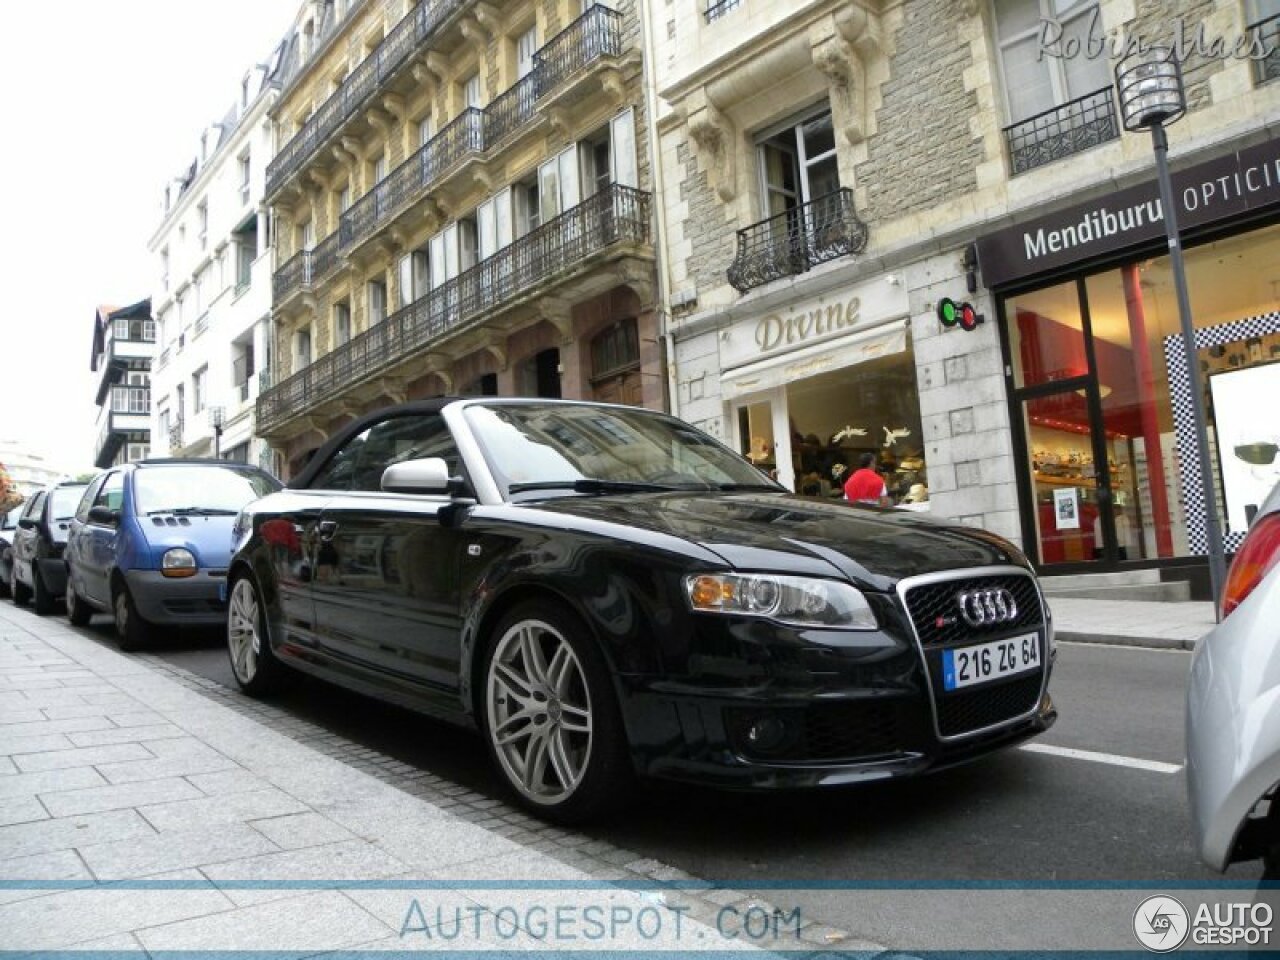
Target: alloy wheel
x=539, y=712
x=122, y=613
x=243, y=639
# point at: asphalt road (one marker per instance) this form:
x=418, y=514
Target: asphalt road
x=1018, y=816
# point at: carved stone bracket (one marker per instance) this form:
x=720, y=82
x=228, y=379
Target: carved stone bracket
x=354, y=151
x=393, y=103
x=558, y=312
x=713, y=133
x=835, y=58
x=498, y=351
x=639, y=275
x=475, y=34
x=428, y=80
x=380, y=119
x=561, y=119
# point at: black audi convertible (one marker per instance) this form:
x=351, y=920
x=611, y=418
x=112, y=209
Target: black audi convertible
x=606, y=592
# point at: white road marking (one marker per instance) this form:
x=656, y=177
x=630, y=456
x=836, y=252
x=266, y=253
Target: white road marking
x=1154, y=766
x=1122, y=646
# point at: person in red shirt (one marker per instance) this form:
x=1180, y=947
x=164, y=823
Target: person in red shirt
x=865, y=485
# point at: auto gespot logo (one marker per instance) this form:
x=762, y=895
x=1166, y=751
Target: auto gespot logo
x=1162, y=924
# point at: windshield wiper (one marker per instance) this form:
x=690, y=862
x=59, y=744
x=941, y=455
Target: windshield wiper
x=771, y=488
x=195, y=512
x=593, y=485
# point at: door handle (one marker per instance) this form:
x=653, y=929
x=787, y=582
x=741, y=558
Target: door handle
x=327, y=529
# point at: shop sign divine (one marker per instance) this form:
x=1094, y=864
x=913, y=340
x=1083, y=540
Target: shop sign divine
x=776, y=330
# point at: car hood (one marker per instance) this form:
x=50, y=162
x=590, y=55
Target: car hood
x=209, y=538
x=791, y=534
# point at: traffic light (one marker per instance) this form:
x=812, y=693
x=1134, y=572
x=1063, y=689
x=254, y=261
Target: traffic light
x=951, y=313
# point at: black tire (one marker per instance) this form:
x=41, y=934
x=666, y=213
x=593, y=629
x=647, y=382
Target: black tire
x=78, y=612
x=256, y=669
x=132, y=632
x=45, y=601
x=606, y=772
x=4, y=581
x=20, y=592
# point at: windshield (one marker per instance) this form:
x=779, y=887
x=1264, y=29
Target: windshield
x=65, y=501
x=551, y=444
x=198, y=490
x=10, y=519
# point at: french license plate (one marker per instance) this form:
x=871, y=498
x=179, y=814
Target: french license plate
x=964, y=666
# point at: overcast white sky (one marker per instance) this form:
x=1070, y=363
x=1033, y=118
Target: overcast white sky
x=103, y=103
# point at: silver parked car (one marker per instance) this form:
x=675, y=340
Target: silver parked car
x=1233, y=710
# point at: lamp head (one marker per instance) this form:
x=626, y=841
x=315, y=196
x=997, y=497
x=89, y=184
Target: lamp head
x=1149, y=83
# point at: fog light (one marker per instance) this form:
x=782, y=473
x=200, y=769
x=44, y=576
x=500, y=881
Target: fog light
x=766, y=733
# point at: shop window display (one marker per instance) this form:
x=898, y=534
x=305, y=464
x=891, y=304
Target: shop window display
x=873, y=407
x=1103, y=341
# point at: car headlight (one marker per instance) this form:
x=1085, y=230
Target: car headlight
x=801, y=601
x=178, y=562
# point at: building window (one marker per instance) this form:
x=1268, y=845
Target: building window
x=242, y=367
x=1263, y=18
x=425, y=131
x=526, y=45
x=528, y=208
x=245, y=172
x=164, y=268
x=306, y=235
x=718, y=8
x=616, y=349
x=471, y=96
x=302, y=349
x=1057, y=105
x=798, y=164
x=199, y=397
x=341, y=323
x=202, y=218
x=376, y=301
x=246, y=243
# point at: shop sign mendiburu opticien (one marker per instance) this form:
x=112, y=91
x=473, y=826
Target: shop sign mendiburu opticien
x=1238, y=184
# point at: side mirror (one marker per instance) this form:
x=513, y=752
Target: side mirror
x=428, y=475
x=26, y=523
x=104, y=515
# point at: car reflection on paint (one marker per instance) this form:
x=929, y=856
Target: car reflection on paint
x=606, y=592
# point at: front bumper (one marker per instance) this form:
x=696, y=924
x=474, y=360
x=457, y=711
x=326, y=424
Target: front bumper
x=1233, y=728
x=758, y=705
x=178, y=601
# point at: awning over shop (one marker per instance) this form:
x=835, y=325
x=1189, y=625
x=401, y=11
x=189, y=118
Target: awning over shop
x=851, y=349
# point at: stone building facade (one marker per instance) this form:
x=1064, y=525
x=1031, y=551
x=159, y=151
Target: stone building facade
x=463, y=205
x=814, y=153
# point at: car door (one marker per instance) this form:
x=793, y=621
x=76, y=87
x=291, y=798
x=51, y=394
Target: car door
x=96, y=542
x=26, y=537
x=387, y=587
x=288, y=535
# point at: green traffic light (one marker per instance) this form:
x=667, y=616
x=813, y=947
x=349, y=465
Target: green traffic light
x=948, y=312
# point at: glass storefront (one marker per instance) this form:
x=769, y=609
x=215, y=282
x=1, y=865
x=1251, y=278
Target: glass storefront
x=831, y=419
x=1101, y=400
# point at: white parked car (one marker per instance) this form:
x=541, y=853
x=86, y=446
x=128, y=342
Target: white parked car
x=1233, y=710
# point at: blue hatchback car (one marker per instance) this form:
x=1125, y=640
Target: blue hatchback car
x=151, y=541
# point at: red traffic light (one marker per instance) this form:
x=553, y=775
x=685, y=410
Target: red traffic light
x=951, y=313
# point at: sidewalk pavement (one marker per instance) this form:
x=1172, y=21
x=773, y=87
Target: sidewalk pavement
x=1138, y=623
x=137, y=814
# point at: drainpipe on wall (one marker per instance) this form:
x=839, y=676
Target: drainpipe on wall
x=644, y=11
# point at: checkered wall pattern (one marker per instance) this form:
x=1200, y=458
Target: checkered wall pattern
x=1184, y=419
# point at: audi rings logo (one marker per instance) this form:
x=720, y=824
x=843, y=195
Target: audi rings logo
x=986, y=608
x=1161, y=924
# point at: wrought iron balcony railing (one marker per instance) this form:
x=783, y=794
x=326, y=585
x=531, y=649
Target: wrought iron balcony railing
x=617, y=214
x=1266, y=37
x=795, y=240
x=1068, y=129
x=407, y=182
x=293, y=274
x=594, y=35
x=405, y=38
x=718, y=8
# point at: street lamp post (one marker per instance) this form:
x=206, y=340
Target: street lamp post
x=216, y=415
x=1149, y=83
